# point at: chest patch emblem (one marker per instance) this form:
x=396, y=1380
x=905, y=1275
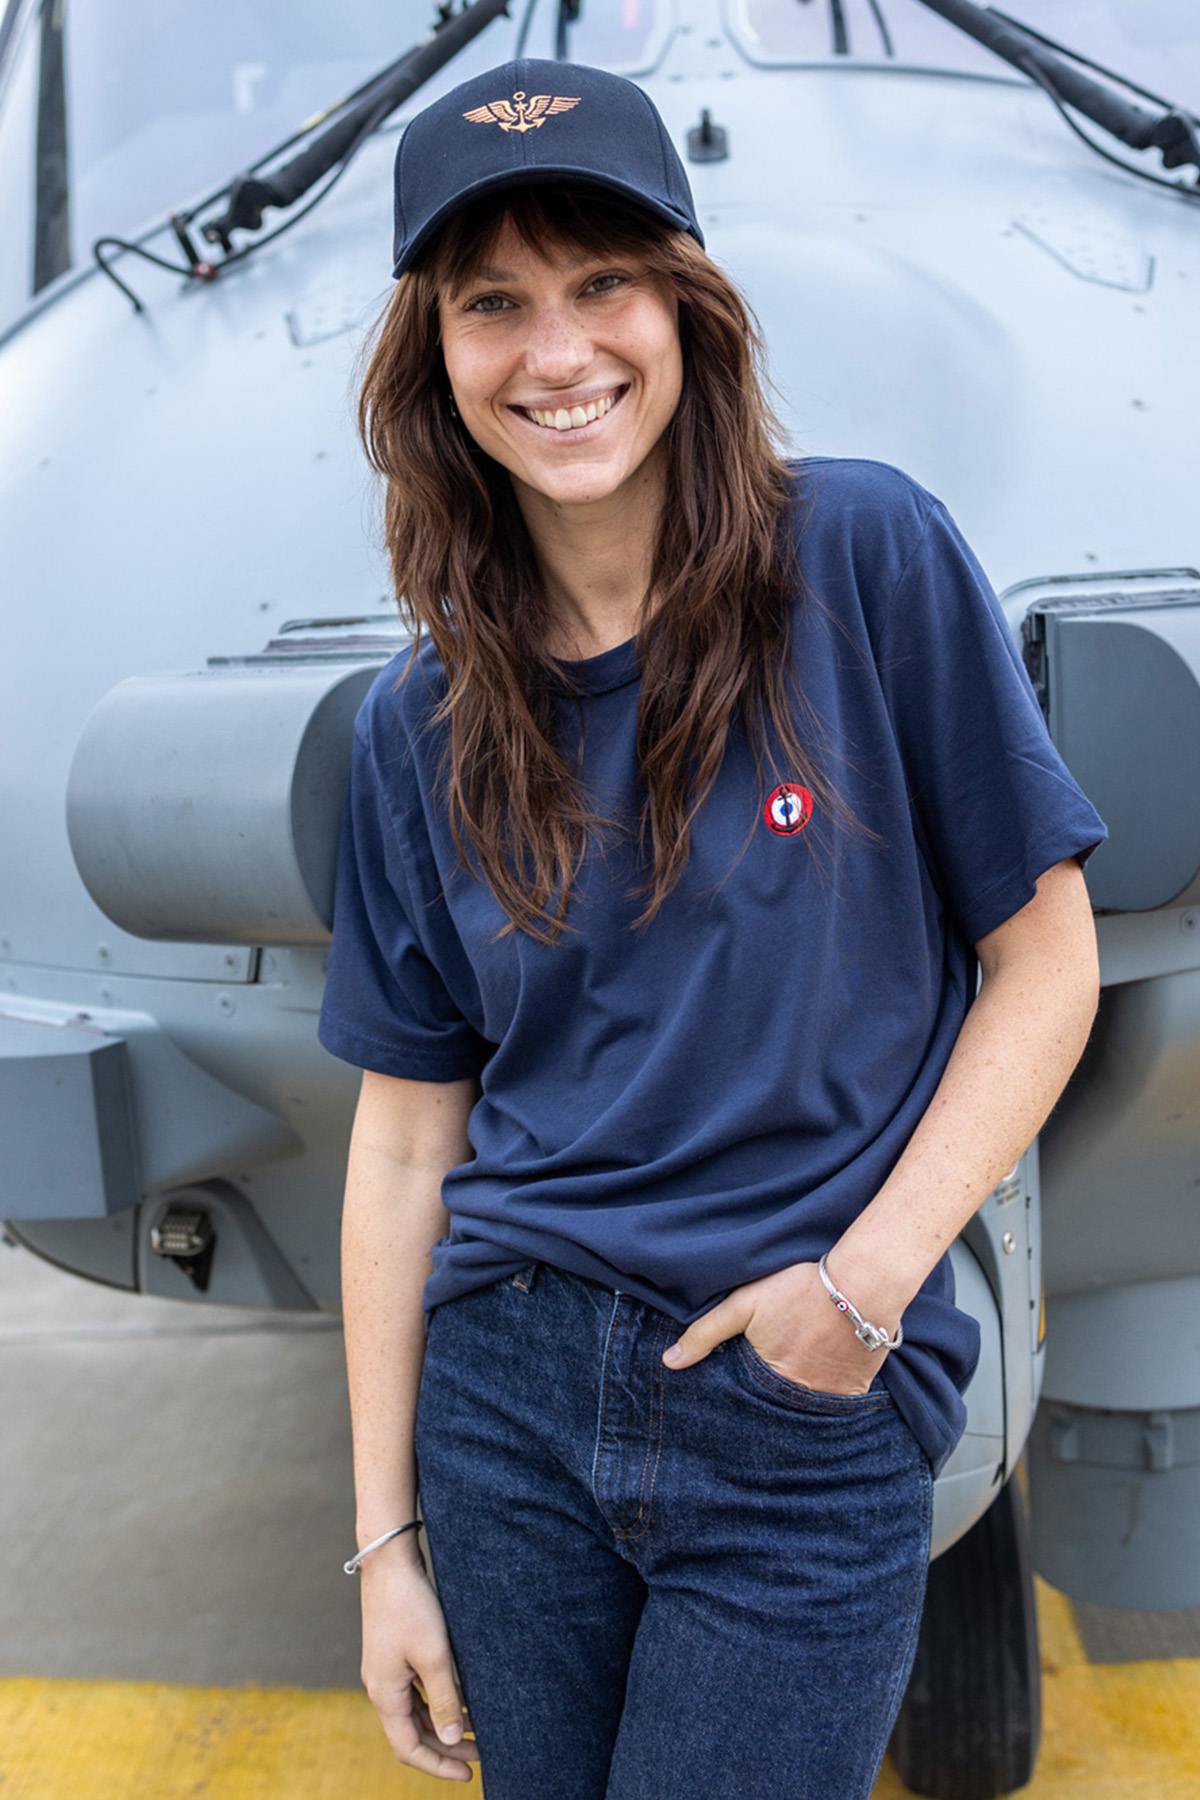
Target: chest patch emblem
x=788, y=809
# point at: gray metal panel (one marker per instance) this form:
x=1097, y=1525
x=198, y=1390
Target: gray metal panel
x=99, y=1250
x=65, y=1122
x=1088, y=1360
x=1115, y=1504
x=204, y=807
x=1119, y=1160
x=968, y=1483
x=1124, y=692
x=1005, y=1236
x=187, y=1123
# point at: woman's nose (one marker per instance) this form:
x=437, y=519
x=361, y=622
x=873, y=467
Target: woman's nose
x=557, y=347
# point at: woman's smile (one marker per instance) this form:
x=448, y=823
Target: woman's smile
x=572, y=423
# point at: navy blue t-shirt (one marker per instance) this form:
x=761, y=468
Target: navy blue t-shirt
x=680, y=1110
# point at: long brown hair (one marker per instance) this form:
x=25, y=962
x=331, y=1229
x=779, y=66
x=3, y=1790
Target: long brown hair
x=713, y=652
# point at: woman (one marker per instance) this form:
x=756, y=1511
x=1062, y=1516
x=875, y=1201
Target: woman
x=669, y=860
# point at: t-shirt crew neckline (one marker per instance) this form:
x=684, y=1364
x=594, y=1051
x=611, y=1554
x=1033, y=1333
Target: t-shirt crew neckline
x=597, y=674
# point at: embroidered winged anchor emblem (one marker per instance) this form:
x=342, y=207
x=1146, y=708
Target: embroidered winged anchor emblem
x=520, y=114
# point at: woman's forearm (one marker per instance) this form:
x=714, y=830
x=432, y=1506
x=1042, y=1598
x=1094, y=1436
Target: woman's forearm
x=1018, y=1046
x=390, y=1217
x=393, y=1214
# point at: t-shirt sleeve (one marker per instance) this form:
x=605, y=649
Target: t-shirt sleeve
x=992, y=798
x=385, y=1007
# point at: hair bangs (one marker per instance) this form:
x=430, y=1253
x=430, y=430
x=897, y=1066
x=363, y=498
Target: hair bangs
x=572, y=219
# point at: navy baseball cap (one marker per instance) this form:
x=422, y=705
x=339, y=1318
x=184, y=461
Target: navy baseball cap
x=534, y=121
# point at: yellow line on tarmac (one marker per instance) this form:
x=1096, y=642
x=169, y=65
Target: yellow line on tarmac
x=135, y=1740
x=1119, y=1731
x=1110, y=1731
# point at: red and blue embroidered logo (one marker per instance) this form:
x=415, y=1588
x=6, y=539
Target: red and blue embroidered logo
x=788, y=809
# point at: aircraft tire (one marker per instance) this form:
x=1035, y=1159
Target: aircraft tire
x=970, y=1724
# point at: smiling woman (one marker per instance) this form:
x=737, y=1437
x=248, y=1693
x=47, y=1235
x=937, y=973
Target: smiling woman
x=523, y=544
x=676, y=999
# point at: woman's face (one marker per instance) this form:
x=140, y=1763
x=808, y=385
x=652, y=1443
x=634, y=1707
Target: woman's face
x=546, y=334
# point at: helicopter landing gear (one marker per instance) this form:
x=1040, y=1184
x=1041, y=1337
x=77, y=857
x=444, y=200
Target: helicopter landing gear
x=970, y=1723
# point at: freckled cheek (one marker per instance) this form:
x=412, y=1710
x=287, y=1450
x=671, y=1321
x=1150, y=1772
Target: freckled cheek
x=474, y=375
x=479, y=383
x=656, y=350
x=668, y=380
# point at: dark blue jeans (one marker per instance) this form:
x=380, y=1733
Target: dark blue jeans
x=695, y=1584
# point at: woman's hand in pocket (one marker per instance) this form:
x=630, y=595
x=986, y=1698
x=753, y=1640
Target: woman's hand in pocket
x=788, y=1320
x=405, y=1643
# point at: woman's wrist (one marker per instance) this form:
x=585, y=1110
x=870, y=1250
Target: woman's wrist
x=385, y=1496
x=402, y=1547
x=880, y=1293
x=369, y=1526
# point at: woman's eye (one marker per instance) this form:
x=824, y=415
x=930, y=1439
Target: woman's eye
x=480, y=304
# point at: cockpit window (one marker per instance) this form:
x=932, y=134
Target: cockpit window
x=161, y=115
x=1154, y=42
x=625, y=35
x=115, y=112
x=158, y=104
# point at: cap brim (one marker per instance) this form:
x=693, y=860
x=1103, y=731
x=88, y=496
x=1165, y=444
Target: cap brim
x=539, y=175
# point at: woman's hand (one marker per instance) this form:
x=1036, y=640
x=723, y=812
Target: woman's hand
x=790, y=1320
x=405, y=1642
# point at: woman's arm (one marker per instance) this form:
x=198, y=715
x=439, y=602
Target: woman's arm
x=1022, y=1036
x=406, y=1135
x=1021, y=1039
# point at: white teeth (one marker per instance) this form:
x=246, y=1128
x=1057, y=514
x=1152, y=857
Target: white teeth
x=563, y=419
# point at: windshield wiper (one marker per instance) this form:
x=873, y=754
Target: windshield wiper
x=567, y=15
x=52, y=193
x=364, y=110
x=1175, y=133
x=250, y=194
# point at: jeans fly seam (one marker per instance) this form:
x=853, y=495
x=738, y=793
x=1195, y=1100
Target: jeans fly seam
x=658, y=1334
x=602, y=1407
x=641, y=1525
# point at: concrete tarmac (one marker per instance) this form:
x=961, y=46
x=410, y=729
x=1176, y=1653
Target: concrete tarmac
x=178, y=1497
x=174, y=1621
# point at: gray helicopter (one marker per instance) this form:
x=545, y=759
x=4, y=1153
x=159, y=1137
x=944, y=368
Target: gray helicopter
x=975, y=252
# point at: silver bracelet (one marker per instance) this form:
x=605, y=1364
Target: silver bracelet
x=873, y=1336
x=351, y=1567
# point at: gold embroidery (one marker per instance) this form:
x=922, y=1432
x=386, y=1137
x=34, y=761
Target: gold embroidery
x=520, y=114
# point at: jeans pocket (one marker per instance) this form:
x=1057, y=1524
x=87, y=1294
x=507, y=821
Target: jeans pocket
x=793, y=1393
